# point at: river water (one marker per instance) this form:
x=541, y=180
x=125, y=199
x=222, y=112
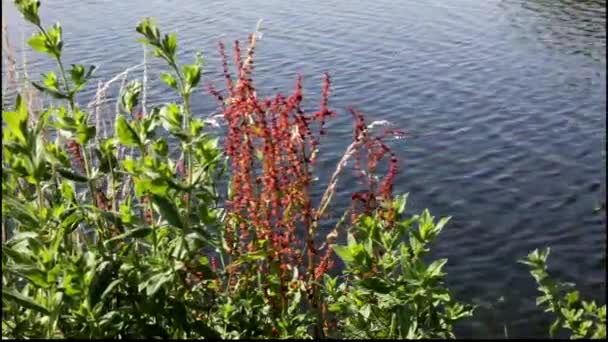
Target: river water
x=504, y=101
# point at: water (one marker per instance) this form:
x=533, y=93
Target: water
x=505, y=100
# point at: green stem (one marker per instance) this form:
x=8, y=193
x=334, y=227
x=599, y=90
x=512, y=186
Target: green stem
x=186, y=128
x=40, y=198
x=61, y=68
x=72, y=107
x=154, y=236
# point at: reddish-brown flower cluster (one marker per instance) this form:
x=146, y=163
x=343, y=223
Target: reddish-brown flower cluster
x=272, y=147
x=74, y=150
x=375, y=150
x=147, y=211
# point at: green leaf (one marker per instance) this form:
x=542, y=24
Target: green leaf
x=366, y=311
x=16, y=122
x=156, y=282
x=168, y=211
x=134, y=233
x=126, y=134
x=169, y=80
x=161, y=147
x=29, y=10
x=344, y=253
x=26, y=302
x=171, y=117
x=337, y=307
x=554, y=327
x=102, y=282
x=148, y=29
x=33, y=274
x=24, y=213
x=351, y=241
x=376, y=285
x=38, y=43
x=54, y=42
x=439, y=226
x=158, y=186
x=572, y=298
x=130, y=95
x=17, y=256
x=80, y=83
x=203, y=260
x=50, y=81
x=77, y=73
x=192, y=74
x=85, y=134
x=169, y=45
x=72, y=175
x=54, y=93
x=434, y=269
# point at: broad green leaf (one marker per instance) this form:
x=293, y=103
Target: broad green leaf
x=366, y=311
x=85, y=134
x=38, y=43
x=129, y=97
x=169, y=80
x=126, y=134
x=157, y=281
x=102, y=281
x=25, y=213
x=33, y=274
x=168, y=211
x=434, y=269
x=337, y=307
x=192, y=74
x=26, y=302
x=16, y=122
x=72, y=175
x=344, y=253
x=18, y=256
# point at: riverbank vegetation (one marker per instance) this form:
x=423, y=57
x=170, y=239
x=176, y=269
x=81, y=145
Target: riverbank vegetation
x=133, y=234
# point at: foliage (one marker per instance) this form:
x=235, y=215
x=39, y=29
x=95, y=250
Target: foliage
x=129, y=235
x=103, y=245
x=388, y=290
x=583, y=319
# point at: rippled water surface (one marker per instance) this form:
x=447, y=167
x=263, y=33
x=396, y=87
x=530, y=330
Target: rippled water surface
x=504, y=101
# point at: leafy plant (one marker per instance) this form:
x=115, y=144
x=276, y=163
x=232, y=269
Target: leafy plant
x=128, y=235
x=583, y=319
x=388, y=291
x=115, y=258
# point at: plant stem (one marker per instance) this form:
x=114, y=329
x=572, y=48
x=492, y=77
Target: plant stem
x=40, y=199
x=72, y=107
x=186, y=127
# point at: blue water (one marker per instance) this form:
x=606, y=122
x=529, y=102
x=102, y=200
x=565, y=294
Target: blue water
x=505, y=102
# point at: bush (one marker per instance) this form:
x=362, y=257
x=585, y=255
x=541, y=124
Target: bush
x=582, y=319
x=128, y=235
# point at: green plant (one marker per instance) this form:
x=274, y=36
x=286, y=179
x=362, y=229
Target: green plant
x=388, y=291
x=99, y=245
x=126, y=236
x=583, y=319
